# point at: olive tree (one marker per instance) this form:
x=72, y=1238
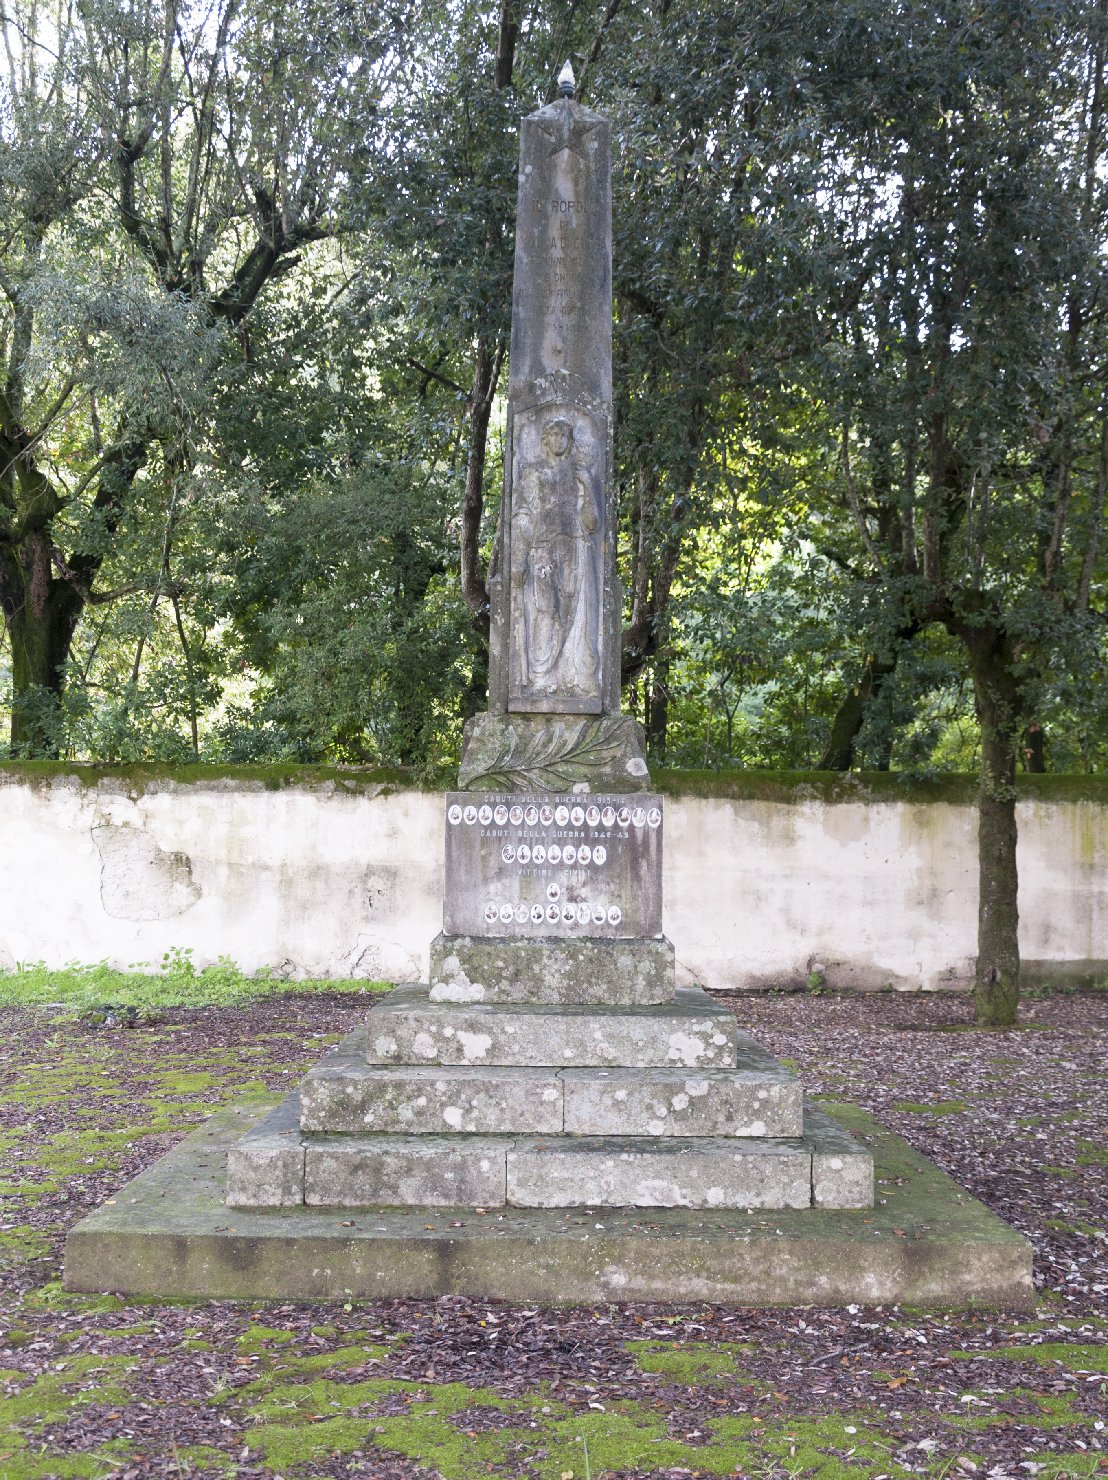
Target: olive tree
x=162, y=164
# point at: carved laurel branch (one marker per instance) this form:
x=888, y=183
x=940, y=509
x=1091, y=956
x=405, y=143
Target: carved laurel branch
x=549, y=761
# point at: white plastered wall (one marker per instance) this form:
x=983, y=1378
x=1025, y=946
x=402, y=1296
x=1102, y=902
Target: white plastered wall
x=316, y=879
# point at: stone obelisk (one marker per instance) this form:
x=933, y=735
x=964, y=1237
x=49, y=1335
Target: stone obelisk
x=551, y=1061
x=542, y=889
x=554, y=653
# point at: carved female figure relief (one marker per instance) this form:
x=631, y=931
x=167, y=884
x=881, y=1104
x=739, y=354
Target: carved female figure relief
x=556, y=559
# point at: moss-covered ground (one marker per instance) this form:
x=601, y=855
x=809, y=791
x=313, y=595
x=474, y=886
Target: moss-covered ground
x=94, y=1387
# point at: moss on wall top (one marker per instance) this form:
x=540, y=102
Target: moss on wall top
x=868, y=786
x=764, y=786
x=158, y=776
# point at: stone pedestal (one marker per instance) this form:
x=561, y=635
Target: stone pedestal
x=466, y=968
x=551, y=1013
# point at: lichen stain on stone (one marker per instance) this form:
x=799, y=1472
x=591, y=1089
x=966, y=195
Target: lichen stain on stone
x=686, y=1049
x=140, y=880
x=474, y=1045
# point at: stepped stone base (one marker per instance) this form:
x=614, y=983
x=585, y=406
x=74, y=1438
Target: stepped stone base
x=467, y=968
x=277, y=1164
x=169, y=1233
x=345, y=1095
x=692, y=1032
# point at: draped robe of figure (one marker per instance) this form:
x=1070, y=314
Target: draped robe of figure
x=556, y=515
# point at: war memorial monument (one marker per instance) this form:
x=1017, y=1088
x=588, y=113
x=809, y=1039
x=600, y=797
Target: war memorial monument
x=550, y=1118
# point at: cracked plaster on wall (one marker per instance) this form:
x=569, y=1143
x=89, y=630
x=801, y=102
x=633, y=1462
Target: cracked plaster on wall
x=140, y=880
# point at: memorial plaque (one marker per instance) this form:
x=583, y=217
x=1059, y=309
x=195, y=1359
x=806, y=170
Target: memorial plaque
x=555, y=865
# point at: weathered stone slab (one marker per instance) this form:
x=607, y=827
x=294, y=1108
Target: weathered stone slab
x=645, y=1172
x=404, y=1171
x=535, y=867
x=842, y=1169
x=265, y=1169
x=354, y=1097
x=692, y=1032
x=469, y=969
x=757, y=1098
x=553, y=752
x=168, y=1233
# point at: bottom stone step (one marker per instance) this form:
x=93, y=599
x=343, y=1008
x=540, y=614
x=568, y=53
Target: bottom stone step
x=276, y=1165
x=647, y=1172
x=169, y=1233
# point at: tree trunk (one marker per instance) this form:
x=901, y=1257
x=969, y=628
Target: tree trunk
x=657, y=711
x=41, y=613
x=838, y=754
x=1034, y=750
x=997, y=696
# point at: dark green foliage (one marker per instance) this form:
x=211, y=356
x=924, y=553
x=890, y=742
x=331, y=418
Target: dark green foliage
x=256, y=295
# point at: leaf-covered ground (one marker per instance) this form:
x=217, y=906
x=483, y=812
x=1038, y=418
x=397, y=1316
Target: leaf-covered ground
x=461, y=1389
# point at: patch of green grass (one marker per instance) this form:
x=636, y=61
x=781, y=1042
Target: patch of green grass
x=1048, y=1411
x=202, y=1458
x=1074, y=1358
x=544, y=1439
x=56, y=1397
x=21, y=1243
x=296, y=1382
x=299, y=1407
x=261, y=1338
x=177, y=983
x=54, y=1296
x=161, y=1095
x=939, y=1107
x=692, y=1365
x=1091, y=1154
x=1090, y=1230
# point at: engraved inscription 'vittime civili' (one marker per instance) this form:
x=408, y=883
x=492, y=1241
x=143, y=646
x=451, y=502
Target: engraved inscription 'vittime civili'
x=559, y=865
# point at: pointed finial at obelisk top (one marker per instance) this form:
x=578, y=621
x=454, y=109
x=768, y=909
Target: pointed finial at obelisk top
x=567, y=83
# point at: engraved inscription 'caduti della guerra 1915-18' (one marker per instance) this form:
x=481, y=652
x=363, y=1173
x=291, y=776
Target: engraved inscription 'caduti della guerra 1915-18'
x=566, y=862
